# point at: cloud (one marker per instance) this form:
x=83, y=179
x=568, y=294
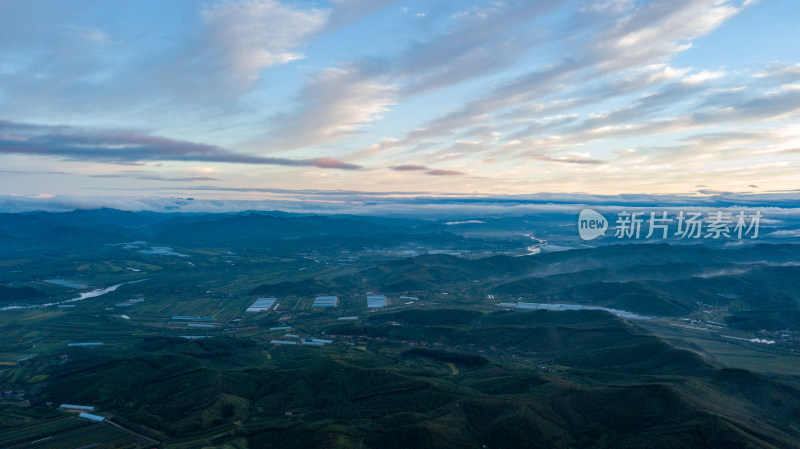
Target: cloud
x=677, y=107
x=568, y=96
x=658, y=30
x=784, y=73
x=349, y=12
x=249, y=36
x=713, y=192
x=628, y=38
x=776, y=207
x=125, y=147
x=702, y=77
x=485, y=39
x=569, y=159
x=150, y=176
x=335, y=104
x=33, y=173
x=724, y=272
x=409, y=167
x=444, y=173
x=427, y=170
x=786, y=233
x=146, y=64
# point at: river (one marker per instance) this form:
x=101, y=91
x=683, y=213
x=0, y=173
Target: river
x=84, y=295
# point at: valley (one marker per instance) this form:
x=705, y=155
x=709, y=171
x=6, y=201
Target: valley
x=692, y=345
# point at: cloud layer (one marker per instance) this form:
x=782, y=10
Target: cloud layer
x=511, y=97
x=123, y=147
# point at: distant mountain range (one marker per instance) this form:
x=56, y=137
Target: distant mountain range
x=277, y=231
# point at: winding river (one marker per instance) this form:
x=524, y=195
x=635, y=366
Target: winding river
x=84, y=295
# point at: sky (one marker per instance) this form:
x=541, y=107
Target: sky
x=349, y=101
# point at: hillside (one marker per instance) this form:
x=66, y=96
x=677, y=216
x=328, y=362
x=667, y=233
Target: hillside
x=21, y=294
x=399, y=397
